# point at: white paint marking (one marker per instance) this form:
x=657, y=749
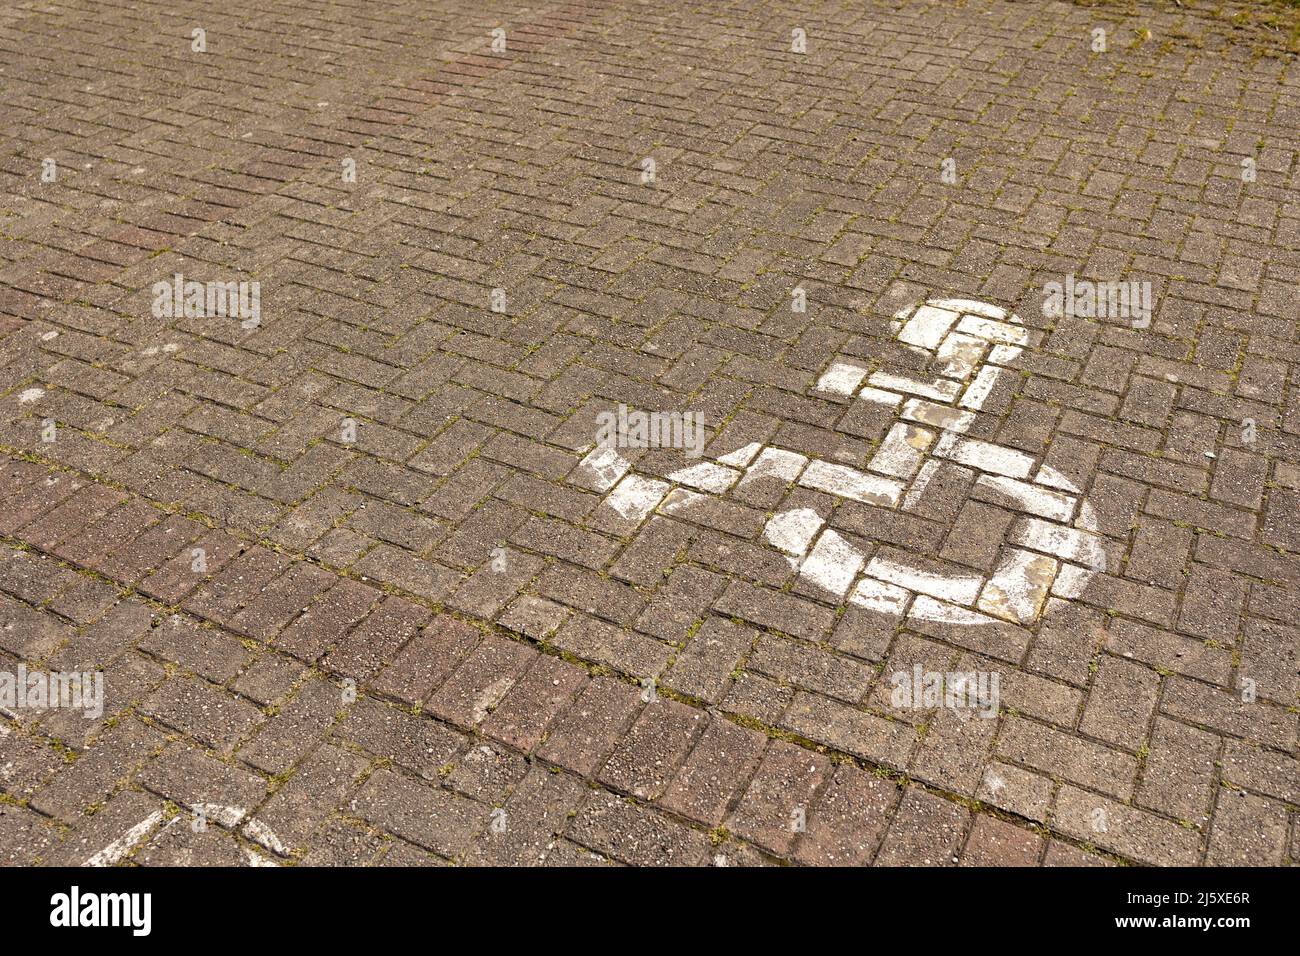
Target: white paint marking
x=957, y=589
x=940, y=389
x=792, y=531
x=903, y=450
x=960, y=354
x=841, y=379
x=928, y=609
x=1071, y=580
x=938, y=416
x=1059, y=540
x=119, y=848
x=1030, y=498
x=682, y=499
x=776, y=463
x=605, y=466
x=1000, y=332
x=706, y=476
x=1004, y=354
x=997, y=459
x=850, y=483
x=880, y=397
x=742, y=456
x=879, y=597
x=1054, y=479
x=918, y=486
x=30, y=395
x=259, y=832
x=1018, y=587
x=971, y=307
x=978, y=391
x=927, y=326
x=635, y=497
x=833, y=564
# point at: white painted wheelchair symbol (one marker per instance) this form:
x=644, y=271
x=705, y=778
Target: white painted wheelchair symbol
x=1052, y=549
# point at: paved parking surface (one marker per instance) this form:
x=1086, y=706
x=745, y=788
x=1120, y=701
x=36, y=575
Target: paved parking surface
x=956, y=580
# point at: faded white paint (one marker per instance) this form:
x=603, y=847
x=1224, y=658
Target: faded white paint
x=902, y=451
x=959, y=589
x=927, y=326
x=793, y=531
x=841, y=379
x=155, y=825
x=635, y=497
x=117, y=850
x=742, y=456
x=604, y=466
x=833, y=563
x=1051, y=553
x=706, y=476
x=848, y=482
x=882, y=598
x=776, y=463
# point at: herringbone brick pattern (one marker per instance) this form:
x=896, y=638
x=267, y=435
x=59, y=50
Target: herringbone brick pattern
x=363, y=588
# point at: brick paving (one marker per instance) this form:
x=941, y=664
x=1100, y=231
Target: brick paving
x=363, y=589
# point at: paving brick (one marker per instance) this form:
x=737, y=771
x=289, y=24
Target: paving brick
x=428, y=816
x=1120, y=703
x=926, y=831
x=419, y=744
x=847, y=823
x=1179, y=772
x=318, y=785
x=536, y=812
x=295, y=729
x=1263, y=771
x=852, y=731
x=778, y=611
x=427, y=660
x=647, y=758
x=190, y=777
x=774, y=809
x=373, y=642
x=213, y=717
x=586, y=733
x=1248, y=831
x=811, y=668
x=594, y=640
x=210, y=653
x=530, y=707
x=1060, y=853
x=1229, y=713
x=715, y=772
x=994, y=842
x=1017, y=791
x=1074, y=758
x=478, y=685
x=190, y=567
x=705, y=667
x=634, y=834
x=1131, y=833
